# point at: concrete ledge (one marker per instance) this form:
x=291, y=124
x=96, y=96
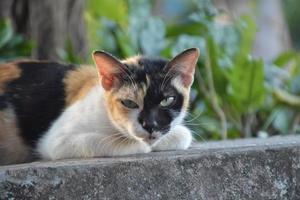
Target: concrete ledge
x=242, y=169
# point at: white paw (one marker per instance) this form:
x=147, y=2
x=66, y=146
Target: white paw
x=136, y=147
x=179, y=137
x=142, y=147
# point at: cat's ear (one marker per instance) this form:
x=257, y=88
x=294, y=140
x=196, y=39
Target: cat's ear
x=183, y=65
x=109, y=69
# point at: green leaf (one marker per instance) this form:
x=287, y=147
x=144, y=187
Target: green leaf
x=284, y=58
x=93, y=25
x=115, y=10
x=176, y=30
x=219, y=78
x=247, y=29
x=287, y=98
x=246, y=82
x=123, y=43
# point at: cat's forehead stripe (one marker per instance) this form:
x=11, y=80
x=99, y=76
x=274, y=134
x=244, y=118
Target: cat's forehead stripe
x=144, y=70
x=132, y=61
x=147, y=81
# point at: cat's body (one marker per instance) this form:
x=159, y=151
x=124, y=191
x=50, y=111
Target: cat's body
x=61, y=111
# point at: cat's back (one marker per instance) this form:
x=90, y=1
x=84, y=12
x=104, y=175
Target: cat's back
x=30, y=82
x=32, y=95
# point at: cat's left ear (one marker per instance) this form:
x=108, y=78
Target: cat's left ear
x=183, y=65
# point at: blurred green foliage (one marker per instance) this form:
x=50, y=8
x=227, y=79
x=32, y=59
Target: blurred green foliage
x=12, y=45
x=67, y=54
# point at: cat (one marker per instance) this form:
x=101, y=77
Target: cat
x=114, y=108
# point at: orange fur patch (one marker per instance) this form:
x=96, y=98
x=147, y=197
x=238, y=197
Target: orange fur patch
x=8, y=72
x=79, y=82
x=119, y=114
x=12, y=147
x=116, y=111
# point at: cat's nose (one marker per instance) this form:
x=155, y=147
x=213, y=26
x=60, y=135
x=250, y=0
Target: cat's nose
x=149, y=126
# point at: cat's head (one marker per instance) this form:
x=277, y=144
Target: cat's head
x=145, y=97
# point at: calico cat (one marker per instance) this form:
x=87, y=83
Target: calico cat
x=116, y=108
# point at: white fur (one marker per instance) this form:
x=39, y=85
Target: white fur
x=85, y=130
x=179, y=137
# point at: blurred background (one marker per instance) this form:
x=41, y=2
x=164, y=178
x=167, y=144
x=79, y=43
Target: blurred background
x=247, y=82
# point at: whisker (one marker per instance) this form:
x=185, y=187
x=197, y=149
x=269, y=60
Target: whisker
x=119, y=144
x=114, y=137
x=196, y=117
x=127, y=72
x=199, y=135
x=165, y=80
x=200, y=123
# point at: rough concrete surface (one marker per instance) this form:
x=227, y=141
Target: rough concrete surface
x=242, y=169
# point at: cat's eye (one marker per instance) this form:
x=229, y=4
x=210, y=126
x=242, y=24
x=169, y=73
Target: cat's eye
x=167, y=101
x=129, y=103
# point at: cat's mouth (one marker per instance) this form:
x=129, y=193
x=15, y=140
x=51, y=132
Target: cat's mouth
x=151, y=139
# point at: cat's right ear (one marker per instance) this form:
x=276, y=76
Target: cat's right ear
x=109, y=69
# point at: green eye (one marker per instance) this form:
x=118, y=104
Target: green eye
x=167, y=101
x=129, y=104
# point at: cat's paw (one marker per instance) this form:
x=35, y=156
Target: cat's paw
x=135, y=147
x=179, y=137
x=142, y=147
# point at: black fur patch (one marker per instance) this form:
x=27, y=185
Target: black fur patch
x=37, y=96
x=152, y=110
x=3, y=102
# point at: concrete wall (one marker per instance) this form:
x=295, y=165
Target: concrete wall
x=243, y=169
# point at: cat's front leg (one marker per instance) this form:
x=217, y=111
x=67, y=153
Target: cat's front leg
x=87, y=145
x=179, y=137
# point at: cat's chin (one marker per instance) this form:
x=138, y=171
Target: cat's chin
x=150, y=140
